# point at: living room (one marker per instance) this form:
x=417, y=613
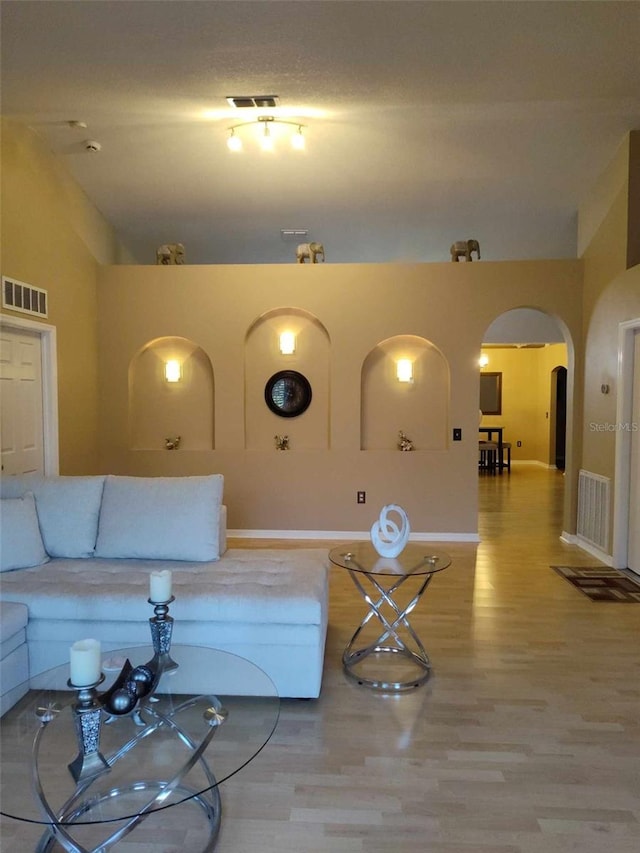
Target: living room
x=109, y=311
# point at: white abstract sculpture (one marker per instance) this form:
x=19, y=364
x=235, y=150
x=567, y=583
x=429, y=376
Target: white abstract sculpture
x=387, y=537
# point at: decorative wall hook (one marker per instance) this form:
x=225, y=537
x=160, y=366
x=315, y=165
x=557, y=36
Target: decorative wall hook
x=282, y=442
x=172, y=443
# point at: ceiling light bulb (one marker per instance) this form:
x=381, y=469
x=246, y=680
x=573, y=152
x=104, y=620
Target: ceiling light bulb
x=266, y=143
x=234, y=142
x=297, y=140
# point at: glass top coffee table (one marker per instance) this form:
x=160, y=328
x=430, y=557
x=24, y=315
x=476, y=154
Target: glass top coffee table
x=90, y=789
x=385, y=652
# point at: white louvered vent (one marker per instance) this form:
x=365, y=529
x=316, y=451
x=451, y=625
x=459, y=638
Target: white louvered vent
x=23, y=297
x=593, y=509
x=249, y=101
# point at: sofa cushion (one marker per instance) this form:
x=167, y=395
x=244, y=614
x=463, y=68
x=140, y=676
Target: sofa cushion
x=17, y=485
x=160, y=518
x=246, y=586
x=68, y=511
x=20, y=540
x=13, y=618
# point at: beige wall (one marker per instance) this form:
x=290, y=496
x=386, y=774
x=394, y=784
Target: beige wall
x=619, y=301
x=633, y=216
x=52, y=238
x=526, y=408
x=611, y=296
x=313, y=486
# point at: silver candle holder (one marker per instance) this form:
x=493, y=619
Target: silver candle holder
x=130, y=687
x=161, y=625
x=87, y=717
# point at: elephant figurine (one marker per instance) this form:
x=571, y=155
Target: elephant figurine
x=311, y=251
x=169, y=254
x=464, y=248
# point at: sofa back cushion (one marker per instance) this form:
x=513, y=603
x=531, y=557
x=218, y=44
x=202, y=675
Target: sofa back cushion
x=20, y=540
x=18, y=485
x=68, y=511
x=160, y=518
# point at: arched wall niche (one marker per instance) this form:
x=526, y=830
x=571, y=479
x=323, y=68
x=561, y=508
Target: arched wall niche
x=159, y=409
x=263, y=358
x=419, y=408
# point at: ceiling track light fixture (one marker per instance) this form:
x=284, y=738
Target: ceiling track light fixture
x=234, y=142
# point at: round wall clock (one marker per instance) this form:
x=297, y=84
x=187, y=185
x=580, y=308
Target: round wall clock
x=288, y=393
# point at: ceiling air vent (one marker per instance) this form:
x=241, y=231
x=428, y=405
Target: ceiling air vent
x=294, y=233
x=244, y=101
x=22, y=297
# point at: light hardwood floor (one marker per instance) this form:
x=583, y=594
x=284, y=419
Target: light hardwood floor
x=525, y=740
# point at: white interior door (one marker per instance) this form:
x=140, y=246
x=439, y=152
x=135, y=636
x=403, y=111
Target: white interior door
x=21, y=418
x=634, y=474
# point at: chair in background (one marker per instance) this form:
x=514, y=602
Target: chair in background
x=506, y=451
x=488, y=456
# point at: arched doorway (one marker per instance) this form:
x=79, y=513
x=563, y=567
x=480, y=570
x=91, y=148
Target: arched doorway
x=528, y=348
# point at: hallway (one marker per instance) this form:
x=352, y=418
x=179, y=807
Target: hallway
x=525, y=740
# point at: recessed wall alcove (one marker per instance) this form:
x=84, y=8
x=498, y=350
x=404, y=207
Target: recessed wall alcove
x=159, y=409
x=263, y=359
x=420, y=408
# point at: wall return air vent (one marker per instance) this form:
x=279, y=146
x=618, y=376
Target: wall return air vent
x=24, y=298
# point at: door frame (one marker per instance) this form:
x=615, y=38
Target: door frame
x=553, y=417
x=624, y=411
x=49, y=360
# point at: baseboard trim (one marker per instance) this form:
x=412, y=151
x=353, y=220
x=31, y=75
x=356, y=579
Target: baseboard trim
x=568, y=538
x=596, y=552
x=574, y=539
x=536, y=462
x=350, y=535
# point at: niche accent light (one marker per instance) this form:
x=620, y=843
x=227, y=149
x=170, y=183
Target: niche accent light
x=234, y=142
x=172, y=370
x=404, y=370
x=483, y=361
x=287, y=343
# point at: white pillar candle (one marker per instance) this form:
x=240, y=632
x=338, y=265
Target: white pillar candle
x=85, y=662
x=160, y=585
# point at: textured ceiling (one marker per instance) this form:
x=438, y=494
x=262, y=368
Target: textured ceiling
x=428, y=122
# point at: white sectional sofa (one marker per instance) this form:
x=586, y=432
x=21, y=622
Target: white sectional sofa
x=78, y=552
x=14, y=661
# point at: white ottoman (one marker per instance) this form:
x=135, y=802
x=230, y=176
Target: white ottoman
x=14, y=661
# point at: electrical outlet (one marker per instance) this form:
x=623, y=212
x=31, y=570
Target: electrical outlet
x=361, y=497
x=457, y=434
x=518, y=444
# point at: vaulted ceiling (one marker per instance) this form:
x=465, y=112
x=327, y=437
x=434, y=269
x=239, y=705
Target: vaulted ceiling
x=426, y=122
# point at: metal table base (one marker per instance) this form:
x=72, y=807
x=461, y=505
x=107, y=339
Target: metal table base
x=390, y=641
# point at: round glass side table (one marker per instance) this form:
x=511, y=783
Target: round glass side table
x=393, y=658
x=174, y=749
